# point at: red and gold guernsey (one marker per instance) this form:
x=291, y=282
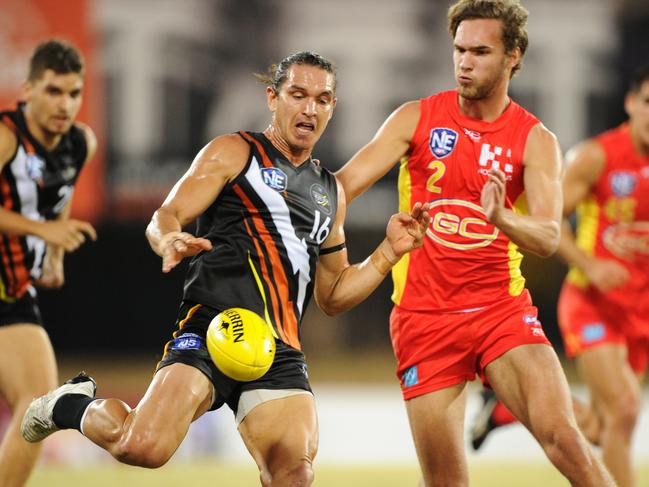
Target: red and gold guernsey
x=616, y=216
x=466, y=262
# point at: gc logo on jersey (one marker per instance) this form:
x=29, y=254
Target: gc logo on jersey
x=628, y=238
x=460, y=225
x=275, y=178
x=442, y=141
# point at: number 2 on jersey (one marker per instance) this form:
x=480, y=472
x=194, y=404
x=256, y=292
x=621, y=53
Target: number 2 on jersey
x=439, y=168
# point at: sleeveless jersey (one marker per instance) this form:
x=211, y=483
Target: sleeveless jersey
x=616, y=214
x=38, y=184
x=266, y=228
x=466, y=262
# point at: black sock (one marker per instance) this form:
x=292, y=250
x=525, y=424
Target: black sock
x=69, y=410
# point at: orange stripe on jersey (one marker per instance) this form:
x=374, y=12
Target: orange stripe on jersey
x=264, y=156
x=289, y=325
x=25, y=141
x=8, y=205
x=273, y=291
x=21, y=273
x=6, y=259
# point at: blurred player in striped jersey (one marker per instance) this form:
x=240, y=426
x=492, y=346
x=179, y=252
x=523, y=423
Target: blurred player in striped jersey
x=42, y=151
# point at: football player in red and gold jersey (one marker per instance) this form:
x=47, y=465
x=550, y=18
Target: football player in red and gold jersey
x=604, y=303
x=491, y=172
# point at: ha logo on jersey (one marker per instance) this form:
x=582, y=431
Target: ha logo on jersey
x=274, y=178
x=490, y=158
x=442, y=141
x=623, y=183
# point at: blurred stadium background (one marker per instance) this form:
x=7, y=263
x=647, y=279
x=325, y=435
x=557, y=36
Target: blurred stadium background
x=164, y=77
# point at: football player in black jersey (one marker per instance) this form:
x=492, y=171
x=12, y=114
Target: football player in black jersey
x=42, y=150
x=267, y=213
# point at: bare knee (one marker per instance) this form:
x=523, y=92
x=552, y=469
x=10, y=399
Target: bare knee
x=141, y=451
x=293, y=474
x=623, y=414
x=112, y=424
x=563, y=442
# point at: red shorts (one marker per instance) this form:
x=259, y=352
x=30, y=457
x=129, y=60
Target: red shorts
x=436, y=350
x=587, y=321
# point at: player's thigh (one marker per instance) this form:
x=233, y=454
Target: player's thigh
x=437, y=423
x=531, y=383
x=178, y=394
x=27, y=363
x=610, y=379
x=282, y=431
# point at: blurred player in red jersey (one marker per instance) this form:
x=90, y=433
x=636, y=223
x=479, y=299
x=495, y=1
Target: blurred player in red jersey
x=491, y=172
x=604, y=307
x=604, y=303
x=42, y=151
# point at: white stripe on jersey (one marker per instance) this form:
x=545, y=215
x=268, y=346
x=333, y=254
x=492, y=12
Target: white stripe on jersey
x=295, y=248
x=28, y=194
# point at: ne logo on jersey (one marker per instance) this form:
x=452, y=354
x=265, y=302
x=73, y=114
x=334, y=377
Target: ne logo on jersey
x=623, y=183
x=442, y=141
x=275, y=178
x=34, y=166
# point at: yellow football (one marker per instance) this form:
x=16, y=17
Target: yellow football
x=241, y=344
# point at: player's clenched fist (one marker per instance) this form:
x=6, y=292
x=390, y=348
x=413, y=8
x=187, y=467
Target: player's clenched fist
x=69, y=234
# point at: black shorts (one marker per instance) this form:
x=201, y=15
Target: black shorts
x=23, y=310
x=288, y=371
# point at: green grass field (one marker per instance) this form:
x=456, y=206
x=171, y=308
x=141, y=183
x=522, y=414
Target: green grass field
x=206, y=474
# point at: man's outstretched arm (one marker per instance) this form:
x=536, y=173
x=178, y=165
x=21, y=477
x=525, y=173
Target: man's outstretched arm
x=339, y=285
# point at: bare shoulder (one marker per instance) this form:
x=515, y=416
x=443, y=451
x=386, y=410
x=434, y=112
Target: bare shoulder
x=226, y=153
x=407, y=114
x=341, y=191
x=410, y=108
x=541, y=147
x=540, y=134
x=91, y=139
x=590, y=150
x=8, y=144
x=586, y=160
x=401, y=124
